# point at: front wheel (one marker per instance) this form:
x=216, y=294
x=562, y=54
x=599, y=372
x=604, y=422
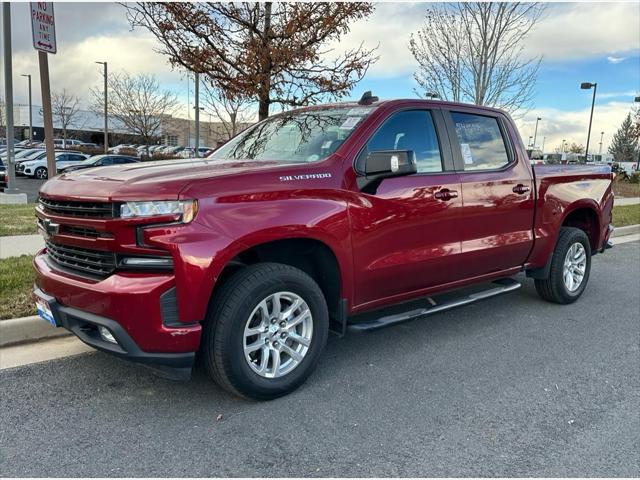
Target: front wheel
x=40, y=173
x=266, y=330
x=570, y=268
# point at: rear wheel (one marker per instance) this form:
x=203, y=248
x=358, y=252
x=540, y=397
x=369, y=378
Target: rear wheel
x=266, y=330
x=40, y=173
x=570, y=268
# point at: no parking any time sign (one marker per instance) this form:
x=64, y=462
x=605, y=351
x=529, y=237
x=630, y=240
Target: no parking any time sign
x=43, y=27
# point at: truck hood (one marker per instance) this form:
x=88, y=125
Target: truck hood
x=146, y=180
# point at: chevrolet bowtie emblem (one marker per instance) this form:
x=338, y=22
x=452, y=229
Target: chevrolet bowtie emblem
x=50, y=228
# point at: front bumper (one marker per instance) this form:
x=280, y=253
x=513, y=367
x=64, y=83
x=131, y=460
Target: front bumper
x=131, y=306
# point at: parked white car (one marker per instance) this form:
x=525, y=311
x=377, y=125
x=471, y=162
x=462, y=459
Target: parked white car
x=37, y=168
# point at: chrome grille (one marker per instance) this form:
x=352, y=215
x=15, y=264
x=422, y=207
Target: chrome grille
x=95, y=262
x=77, y=209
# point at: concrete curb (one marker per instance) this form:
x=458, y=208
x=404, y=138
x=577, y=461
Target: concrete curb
x=32, y=329
x=628, y=230
x=27, y=329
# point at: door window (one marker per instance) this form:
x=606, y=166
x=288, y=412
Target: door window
x=409, y=130
x=481, y=142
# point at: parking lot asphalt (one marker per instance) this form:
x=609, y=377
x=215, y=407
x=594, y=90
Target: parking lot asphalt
x=30, y=186
x=512, y=386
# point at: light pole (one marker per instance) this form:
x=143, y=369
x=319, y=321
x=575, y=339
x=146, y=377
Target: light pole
x=563, y=142
x=30, y=113
x=544, y=139
x=637, y=99
x=106, y=116
x=600, y=149
x=588, y=86
x=535, y=133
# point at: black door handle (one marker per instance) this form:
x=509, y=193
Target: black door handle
x=446, y=194
x=520, y=189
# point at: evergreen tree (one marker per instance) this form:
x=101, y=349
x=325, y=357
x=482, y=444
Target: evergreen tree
x=624, y=145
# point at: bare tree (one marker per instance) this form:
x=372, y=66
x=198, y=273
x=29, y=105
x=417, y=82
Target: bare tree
x=137, y=102
x=65, y=110
x=234, y=113
x=275, y=53
x=473, y=52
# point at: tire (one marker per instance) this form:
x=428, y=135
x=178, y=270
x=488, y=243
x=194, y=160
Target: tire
x=554, y=288
x=242, y=303
x=40, y=173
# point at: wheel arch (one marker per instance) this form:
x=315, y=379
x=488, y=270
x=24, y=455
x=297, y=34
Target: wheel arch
x=584, y=216
x=313, y=256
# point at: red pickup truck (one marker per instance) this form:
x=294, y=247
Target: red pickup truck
x=341, y=217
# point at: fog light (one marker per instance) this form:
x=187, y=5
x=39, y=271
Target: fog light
x=147, y=262
x=106, y=335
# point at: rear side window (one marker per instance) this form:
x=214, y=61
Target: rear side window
x=408, y=130
x=481, y=142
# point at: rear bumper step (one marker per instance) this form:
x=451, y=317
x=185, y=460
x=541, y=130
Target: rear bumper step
x=499, y=287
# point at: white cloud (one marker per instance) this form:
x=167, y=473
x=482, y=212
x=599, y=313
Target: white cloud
x=581, y=30
x=388, y=28
x=615, y=60
x=566, y=32
x=572, y=126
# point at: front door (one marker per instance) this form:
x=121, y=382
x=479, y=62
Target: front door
x=406, y=234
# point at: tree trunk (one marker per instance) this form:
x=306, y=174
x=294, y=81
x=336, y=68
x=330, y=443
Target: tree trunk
x=263, y=108
x=263, y=96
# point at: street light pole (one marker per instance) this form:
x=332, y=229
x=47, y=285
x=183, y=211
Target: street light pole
x=544, y=139
x=106, y=116
x=535, y=133
x=30, y=108
x=588, y=86
x=600, y=149
x=637, y=100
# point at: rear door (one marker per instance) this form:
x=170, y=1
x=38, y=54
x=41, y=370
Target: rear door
x=406, y=234
x=497, y=192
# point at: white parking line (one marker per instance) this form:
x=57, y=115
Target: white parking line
x=28, y=353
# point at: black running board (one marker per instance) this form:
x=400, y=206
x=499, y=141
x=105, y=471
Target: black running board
x=500, y=287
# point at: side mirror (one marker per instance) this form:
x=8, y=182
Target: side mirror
x=386, y=164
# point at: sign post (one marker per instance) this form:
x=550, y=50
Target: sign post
x=8, y=95
x=43, y=30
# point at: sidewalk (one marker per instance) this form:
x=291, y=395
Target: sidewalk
x=17, y=245
x=626, y=201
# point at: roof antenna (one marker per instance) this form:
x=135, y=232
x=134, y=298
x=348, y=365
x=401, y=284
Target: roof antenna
x=367, y=98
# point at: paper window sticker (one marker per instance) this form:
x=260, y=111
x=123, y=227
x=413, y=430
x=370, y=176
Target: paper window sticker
x=350, y=122
x=466, y=154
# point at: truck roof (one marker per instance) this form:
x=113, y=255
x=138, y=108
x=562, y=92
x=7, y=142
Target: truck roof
x=393, y=102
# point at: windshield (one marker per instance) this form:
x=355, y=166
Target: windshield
x=306, y=136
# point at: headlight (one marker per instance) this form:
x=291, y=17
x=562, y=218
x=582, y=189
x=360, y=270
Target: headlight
x=185, y=208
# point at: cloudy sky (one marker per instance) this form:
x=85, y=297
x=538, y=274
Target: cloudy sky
x=596, y=42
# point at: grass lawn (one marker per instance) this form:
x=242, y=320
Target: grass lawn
x=626, y=189
x=626, y=215
x=16, y=281
x=17, y=219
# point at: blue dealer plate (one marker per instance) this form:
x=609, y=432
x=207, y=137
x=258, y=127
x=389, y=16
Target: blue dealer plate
x=44, y=311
